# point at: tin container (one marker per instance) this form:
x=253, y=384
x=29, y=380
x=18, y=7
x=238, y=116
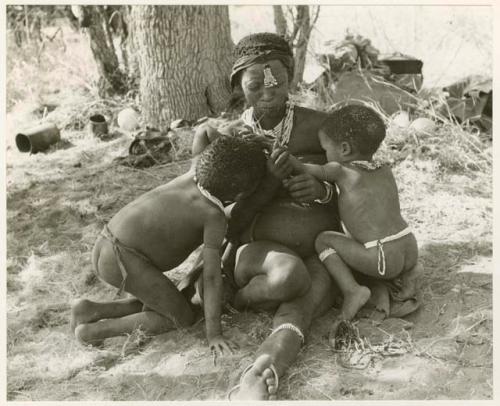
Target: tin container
x=98, y=126
x=38, y=138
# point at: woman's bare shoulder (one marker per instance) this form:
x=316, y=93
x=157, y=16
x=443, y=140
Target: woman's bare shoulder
x=313, y=116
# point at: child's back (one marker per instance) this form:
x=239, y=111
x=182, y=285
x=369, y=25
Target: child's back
x=165, y=224
x=155, y=233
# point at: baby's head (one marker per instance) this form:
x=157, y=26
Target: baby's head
x=231, y=166
x=352, y=132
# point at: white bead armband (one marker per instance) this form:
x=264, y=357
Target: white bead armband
x=329, y=194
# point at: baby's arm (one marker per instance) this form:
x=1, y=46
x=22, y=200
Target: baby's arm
x=285, y=161
x=213, y=236
x=329, y=172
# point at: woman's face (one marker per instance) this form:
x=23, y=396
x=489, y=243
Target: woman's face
x=266, y=100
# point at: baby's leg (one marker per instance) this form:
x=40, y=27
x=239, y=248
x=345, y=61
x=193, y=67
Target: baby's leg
x=409, y=280
x=355, y=295
x=361, y=259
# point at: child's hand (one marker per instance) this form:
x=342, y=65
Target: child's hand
x=278, y=163
x=220, y=346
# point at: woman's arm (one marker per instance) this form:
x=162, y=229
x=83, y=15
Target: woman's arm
x=204, y=135
x=245, y=210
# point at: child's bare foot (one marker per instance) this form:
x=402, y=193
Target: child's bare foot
x=259, y=382
x=82, y=311
x=83, y=333
x=353, y=301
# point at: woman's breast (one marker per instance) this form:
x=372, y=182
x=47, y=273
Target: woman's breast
x=295, y=226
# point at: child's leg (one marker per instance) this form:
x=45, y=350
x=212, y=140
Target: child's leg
x=363, y=260
x=355, y=295
x=147, y=284
x=85, y=311
x=150, y=322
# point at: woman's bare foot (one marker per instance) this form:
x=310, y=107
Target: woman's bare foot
x=353, y=302
x=259, y=382
x=82, y=311
x=83, y=333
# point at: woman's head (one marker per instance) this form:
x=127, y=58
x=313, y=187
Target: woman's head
x=231, y=166
x=262, y=71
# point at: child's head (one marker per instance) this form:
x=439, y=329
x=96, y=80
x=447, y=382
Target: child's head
x=230, y=166
x=353, y=131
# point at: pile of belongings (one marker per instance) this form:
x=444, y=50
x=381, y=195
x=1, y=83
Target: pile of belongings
x=149, y=147
x=353, y=71
x=470, y=99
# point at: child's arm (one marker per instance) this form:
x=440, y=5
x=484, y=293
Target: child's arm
x=213, y=236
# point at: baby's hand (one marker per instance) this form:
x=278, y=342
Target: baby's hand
x=296, y=164
x=278, y=163
x=220, y=346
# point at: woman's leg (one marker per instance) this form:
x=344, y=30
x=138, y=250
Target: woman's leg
x=281, y=348
x=268, y=274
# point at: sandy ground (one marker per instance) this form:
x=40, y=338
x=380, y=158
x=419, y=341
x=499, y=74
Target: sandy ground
x=57, y=202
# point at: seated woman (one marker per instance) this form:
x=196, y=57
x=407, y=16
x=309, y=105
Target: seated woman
x=277, y=266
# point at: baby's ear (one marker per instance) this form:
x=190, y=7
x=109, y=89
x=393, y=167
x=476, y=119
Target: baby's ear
x=346, y=148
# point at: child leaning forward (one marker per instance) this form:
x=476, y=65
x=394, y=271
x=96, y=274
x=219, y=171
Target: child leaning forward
x=156, y=233
x=377, y=240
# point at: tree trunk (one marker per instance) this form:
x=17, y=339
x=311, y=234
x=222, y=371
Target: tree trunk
x=112, y=79
x=304, y=32
x=280, y=21
x=184, y=55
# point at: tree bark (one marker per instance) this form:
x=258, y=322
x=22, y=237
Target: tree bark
x=184, y=55
x=304, y=32
x=112, y=79
x=280, y=21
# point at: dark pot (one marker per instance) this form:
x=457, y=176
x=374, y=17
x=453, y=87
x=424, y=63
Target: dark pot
x=98, y=126
x=38, y=138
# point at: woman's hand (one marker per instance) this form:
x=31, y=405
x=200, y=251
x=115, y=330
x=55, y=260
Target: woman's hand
x=305, y=188
x=220, y=346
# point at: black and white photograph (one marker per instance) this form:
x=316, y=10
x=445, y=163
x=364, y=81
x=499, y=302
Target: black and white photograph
x=267, y=202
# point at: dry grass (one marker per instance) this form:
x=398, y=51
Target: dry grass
x=57, y=203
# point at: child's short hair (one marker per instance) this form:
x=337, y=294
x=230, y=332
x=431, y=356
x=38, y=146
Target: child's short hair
x=230, y=166
x=361, y=126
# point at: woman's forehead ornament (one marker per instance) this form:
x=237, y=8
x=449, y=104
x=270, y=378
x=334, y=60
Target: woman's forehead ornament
x=269, y=79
